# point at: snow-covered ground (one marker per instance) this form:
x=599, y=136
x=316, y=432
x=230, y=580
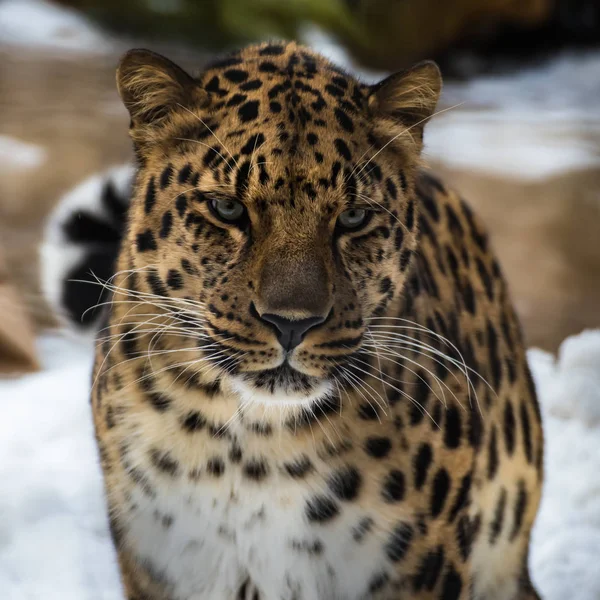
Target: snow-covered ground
x=54, y=540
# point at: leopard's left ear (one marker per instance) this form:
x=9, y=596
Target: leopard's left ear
x=152, y=87
x=408, y=99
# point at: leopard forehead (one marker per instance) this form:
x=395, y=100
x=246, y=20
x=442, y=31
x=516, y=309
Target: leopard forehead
x=285, y=128
x=291, y=99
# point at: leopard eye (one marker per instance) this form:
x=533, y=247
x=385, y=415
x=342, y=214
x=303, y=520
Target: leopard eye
x=353, y=218
x=229, y=211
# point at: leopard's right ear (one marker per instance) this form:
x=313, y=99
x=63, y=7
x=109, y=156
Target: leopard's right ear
x=151, y=87
x=402, y=103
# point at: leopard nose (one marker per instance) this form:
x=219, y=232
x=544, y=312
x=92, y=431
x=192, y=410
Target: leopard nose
x=290, y=332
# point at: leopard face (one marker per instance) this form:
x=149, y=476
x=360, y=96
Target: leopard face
x=275, y=197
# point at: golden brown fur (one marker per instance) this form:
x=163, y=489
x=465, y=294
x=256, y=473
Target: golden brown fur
x=401, y=444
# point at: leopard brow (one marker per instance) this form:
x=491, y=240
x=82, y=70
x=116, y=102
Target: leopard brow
x=218, y=195
x=363, y=205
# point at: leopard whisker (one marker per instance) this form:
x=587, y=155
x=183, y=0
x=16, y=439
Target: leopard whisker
x=128, y=291
x=405, y=131
x=166, y=330
x=214, y=364
x=401, y=392
x=146, y=297
x=435, y=378
x=358, y=386
x=171, y=327
x=441, y=384
x=392, y=338
x=372, y=201
x=176, y=324
x=334, y=429
x=147, y=354
x=421, y=351
x=165, y=303
x=339, y=390
x=212, y=133
x=365, y=384
x=417, y=327
x=239, y=412
x=253, y=152
x=377, y=356
x=151, y=374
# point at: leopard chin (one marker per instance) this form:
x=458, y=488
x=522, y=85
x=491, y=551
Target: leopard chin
x=281, y=386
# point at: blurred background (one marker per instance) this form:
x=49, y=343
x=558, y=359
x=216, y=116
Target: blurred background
x=520, y=141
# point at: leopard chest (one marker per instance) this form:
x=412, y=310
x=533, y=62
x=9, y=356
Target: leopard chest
x=285, y=531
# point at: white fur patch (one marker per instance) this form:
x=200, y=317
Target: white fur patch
x=249, y=395
x=226, y=530
x=58, y=254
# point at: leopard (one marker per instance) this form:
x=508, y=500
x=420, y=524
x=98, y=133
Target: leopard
x=310, y=381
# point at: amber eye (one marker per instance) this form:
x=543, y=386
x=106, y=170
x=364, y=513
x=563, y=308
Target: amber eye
x=353, y=218
x=230, y=211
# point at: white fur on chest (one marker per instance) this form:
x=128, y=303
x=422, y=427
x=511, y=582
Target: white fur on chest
x=206, y=538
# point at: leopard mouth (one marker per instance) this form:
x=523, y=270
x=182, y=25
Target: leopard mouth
x=286, y=382
x=283, y=378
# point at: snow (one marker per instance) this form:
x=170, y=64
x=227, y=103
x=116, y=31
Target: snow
x=525, y=144
x=566, y=540
x=43, y=25
x=54, y=540
x=16, y=155
x=530, y=124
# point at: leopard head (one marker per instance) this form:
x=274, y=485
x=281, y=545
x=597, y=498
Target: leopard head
x=276, y=193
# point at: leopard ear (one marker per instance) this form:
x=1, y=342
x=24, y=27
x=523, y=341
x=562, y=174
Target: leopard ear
x=408, y=98
x=151, y=87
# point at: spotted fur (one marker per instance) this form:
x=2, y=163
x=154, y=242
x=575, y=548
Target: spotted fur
x=396, y=452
